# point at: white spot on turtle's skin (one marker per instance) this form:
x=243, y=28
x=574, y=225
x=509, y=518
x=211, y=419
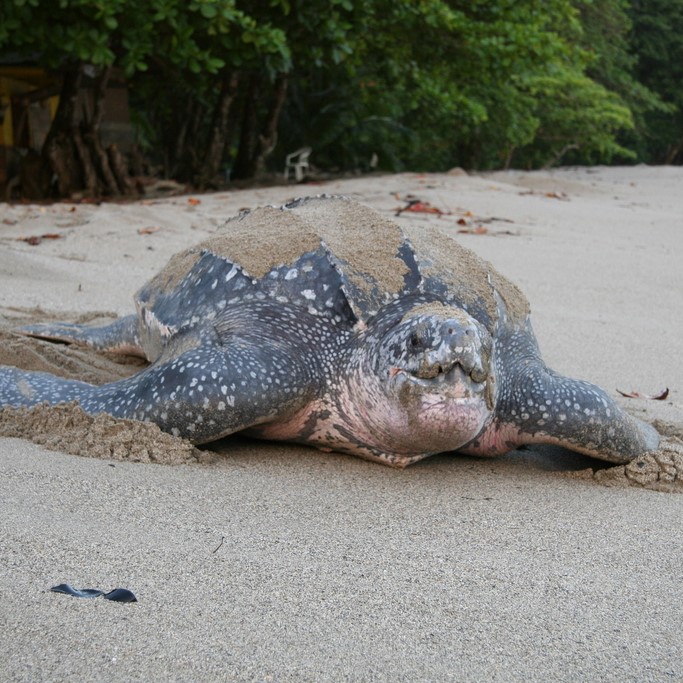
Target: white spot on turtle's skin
x=231, y=274
x=291, y=274
x=308, y=294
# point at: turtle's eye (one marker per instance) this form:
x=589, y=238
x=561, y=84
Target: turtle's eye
x=414, y=339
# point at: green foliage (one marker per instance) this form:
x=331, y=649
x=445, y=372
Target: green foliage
x=576, y=115
x=475, y=81
x=657, y=40
x=423, y=84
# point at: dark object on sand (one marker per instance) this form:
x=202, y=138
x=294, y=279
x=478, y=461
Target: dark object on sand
x=323, y=322
x=117, y=595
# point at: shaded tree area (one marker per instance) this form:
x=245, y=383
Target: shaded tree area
x=657, y=40
x=229, y=87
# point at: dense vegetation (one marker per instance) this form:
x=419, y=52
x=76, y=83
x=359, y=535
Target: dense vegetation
x=421, y=84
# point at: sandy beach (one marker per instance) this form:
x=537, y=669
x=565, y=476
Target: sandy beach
x=259, y=561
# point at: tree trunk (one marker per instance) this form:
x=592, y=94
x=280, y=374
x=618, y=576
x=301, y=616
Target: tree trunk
x=59, y=153
x=119, y=171
x=91, y=134
x=244, y=167
x=219, y=132
x=185, y=162
x=255, y=146
x=268, y=138
x=90, y=182
x=674, y=152
x=73, y=150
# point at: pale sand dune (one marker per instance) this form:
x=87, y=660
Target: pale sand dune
x=332, y=568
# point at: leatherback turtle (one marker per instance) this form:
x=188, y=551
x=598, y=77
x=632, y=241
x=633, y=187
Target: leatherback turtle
x=322, y=322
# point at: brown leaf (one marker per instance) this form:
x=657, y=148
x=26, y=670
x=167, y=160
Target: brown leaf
x=462, y=221
x=193, y=202
x=149, y=230
x=552, y=195
x=418, y=206
x=479, y=230
x=9, y=221
x=557, y=195
x=660, y=396
x=33, y=240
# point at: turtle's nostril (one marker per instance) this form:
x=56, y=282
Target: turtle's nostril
x=450, y=330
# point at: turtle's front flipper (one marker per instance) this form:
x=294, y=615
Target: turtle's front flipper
x=202, y=394
x=537, y=405
x=122, y=336
x=23, y=388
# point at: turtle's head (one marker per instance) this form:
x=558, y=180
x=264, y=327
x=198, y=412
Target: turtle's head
x=434, y=369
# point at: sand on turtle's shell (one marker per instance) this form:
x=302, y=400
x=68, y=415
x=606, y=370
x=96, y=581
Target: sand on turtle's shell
x=359, y=236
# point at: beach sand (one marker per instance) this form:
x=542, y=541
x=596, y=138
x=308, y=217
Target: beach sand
x=262, y=561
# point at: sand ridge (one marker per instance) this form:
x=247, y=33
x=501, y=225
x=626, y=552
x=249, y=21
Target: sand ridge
x=68, y=429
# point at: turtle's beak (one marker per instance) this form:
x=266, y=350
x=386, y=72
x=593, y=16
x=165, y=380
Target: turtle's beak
x=438, y=349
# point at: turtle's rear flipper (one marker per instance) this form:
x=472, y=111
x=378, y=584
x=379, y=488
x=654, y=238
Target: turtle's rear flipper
x=121, y=336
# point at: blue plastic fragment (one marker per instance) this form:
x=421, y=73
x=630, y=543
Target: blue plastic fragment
x=121, y=595
x=76, y=592
x=117, y=595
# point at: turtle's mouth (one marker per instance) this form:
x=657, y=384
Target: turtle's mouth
x=455, y=379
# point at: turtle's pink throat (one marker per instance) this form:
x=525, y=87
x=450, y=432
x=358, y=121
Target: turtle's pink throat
x=418, y=415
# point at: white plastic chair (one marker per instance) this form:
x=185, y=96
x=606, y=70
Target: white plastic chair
x=297, y=162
